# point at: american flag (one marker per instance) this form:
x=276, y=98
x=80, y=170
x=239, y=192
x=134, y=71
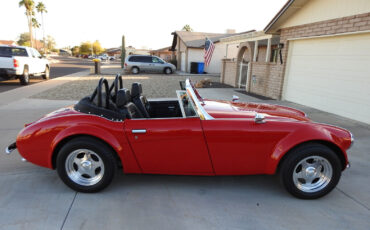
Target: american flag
x=209, y=47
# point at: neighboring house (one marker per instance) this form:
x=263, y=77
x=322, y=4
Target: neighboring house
x=242, y=63
x=116, y=52
x=163, y=53
x=189, y=47
x=8, y=42
x=65, y=52
x=325, y=50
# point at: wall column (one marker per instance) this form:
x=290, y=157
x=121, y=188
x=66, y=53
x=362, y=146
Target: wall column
x=268, y=51
x=255, y=53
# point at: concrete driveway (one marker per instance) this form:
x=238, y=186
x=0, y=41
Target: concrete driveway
x=34, y=198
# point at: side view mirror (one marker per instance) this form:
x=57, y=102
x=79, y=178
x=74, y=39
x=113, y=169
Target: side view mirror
x=259, y=118
x=235, y=98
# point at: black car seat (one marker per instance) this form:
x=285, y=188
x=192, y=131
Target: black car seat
x=139, y=100
x=125, y=106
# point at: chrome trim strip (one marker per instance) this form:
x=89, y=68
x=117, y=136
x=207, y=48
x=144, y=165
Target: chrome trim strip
x=138, y=131
x=201, y=111
x=10, y=148
x=352, y=140
x=8, y=151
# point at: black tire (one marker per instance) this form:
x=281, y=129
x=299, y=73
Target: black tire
x=25, y=78
x=291, y=166
x=46, y=74
x=135, y=70
x=167, y=70
x=104, y=153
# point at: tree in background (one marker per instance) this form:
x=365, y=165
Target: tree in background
x=187, y=28
x=97, y=49
x=85, y=48
x=24, y=39
x=50, y=43
x=75, y=50
x=42, y=9
x=123, y=51
x=29, y=5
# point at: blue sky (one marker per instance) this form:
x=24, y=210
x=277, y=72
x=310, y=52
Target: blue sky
x=145, y=23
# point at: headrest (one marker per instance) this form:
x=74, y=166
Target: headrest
x=123, y=97
x=136, y=89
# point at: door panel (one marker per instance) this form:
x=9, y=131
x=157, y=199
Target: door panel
x=240, y=147
x=169, y=146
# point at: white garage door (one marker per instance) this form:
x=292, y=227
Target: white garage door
x=331, y=74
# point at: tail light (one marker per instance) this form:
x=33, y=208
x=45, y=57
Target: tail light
x=125, y=64
x=15, y=63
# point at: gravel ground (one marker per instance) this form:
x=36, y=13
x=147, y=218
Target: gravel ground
x=154, y=86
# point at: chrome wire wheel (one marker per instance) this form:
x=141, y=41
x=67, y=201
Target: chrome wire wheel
x=312, y=174
x=84, y=167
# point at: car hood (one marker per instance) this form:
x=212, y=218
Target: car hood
x=228, y=109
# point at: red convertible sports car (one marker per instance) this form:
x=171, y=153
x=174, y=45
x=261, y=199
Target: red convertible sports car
x=115, y=128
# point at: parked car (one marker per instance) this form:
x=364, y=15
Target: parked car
x=112, y=58
x=103, y=57
x=145, y=63
x=22, y=62
x=189, y=135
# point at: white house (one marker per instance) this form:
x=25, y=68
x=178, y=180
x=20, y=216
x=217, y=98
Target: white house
x=189, y=47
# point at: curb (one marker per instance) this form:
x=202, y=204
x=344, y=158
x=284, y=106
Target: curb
x=30, y=90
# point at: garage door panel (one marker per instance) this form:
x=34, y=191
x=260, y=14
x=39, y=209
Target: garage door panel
x=331, y=74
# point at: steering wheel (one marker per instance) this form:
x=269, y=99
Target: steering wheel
x=98, y=92
x=115, y=86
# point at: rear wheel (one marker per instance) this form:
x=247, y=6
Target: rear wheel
x=25, y=78
x=46, y=74
x=310, y=171
x=135, y=70
x=86, y=165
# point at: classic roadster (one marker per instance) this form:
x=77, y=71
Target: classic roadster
x=190, y=135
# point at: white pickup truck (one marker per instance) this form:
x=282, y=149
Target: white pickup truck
x=22, y=62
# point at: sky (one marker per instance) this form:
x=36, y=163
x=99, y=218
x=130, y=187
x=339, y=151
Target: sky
x=145, y=23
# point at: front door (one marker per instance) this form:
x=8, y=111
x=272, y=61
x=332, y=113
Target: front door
x=169, y=146
x=243, y=75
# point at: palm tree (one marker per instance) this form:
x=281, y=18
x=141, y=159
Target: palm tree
x=42, y=9
x=29, y=5
x=187, y=28
x=36, y=25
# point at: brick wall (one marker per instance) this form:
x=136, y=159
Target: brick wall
x=266, y=79
x=228, y=73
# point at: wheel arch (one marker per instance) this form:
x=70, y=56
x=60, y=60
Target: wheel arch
x=135, y=66
x=66, y=139
x=336, y=149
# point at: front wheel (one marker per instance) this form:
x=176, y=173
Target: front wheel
x=310, y=171
x=86, y=164
x=167, y=70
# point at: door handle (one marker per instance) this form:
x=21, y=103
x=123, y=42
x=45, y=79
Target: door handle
x=138, y=131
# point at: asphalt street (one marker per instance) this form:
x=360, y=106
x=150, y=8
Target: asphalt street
x=65, y=66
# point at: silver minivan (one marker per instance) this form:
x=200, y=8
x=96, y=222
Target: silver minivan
x=146, y=63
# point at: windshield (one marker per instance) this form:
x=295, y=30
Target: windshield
x=197, y=99
x=12, y=51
